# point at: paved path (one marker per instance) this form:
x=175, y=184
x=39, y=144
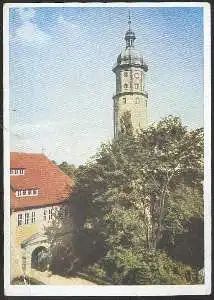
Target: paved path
x=58, y=280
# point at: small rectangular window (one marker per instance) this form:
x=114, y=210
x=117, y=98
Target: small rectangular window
x=19, y=219
x=33, y=217
x=126, y=74
x=44, y=215
x=35, y=192
x=18, y=193
x=24, y=192
x=26, y=218
x=136, y=85
x=124, y=100
x=65, y=212
x=17, y=171
x=50, y=214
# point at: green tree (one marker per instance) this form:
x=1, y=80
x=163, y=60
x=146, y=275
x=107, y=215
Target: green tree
x=137, y=178
x=137, y=190
x=67, y=168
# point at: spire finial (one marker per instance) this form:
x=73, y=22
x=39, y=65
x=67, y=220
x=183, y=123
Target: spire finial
x=129, y=21
x=129, y=36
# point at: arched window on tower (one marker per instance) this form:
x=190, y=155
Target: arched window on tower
x=125, y=86
x=137, y=100
x=124, y=100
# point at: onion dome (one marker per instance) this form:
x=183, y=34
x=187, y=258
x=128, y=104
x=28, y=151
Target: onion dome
x=130, y=56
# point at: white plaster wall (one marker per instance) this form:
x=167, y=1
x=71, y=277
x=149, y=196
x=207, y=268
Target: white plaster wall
x=25, y=231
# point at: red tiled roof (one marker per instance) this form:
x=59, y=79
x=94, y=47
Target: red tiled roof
x=40, y=173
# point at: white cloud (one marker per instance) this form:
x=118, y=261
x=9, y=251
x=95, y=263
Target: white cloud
x=27, y=130
x=66, y=24
x=66, y=29
x=29, y=32
x=26, y=14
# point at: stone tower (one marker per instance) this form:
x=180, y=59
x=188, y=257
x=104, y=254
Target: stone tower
x=130, y=70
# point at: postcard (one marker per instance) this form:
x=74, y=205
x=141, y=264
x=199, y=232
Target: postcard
x=107, y=155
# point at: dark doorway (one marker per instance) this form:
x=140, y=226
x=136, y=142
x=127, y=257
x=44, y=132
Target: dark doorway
x=39, y=259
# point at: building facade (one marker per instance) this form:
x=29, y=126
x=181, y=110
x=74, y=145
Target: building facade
x=130, y=70
x=38, y=190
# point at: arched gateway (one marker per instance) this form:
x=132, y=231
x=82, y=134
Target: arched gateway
x=35, y=253
x=39, y=258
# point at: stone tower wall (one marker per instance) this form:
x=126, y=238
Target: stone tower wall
x=130, y=96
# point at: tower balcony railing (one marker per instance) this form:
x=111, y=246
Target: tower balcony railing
x=131, y=62
x=130, y=92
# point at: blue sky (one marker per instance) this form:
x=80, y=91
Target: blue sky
x=61, y=79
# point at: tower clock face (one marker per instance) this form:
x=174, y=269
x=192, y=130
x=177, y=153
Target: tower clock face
x=136, y=75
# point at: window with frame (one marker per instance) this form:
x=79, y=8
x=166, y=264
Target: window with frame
x=137, y=100
x=18, y=193
x=66, y=212
x=126, y=74
x=44, y=215
x=50, y=214
x=17, y=171
x=19, y=219
x=26, y=218
x=33, y=217
x=136, y=85
x=35, y=192
x=124, y=100
x=25, y=193
x=125, y=86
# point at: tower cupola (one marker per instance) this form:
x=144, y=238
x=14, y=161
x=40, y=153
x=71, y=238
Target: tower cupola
x=129, y=38
x=130, y=35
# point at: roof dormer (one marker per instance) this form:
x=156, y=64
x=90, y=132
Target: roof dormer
x=17, y=171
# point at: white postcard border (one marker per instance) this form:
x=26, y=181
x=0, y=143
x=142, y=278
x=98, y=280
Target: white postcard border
x=134, y=290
